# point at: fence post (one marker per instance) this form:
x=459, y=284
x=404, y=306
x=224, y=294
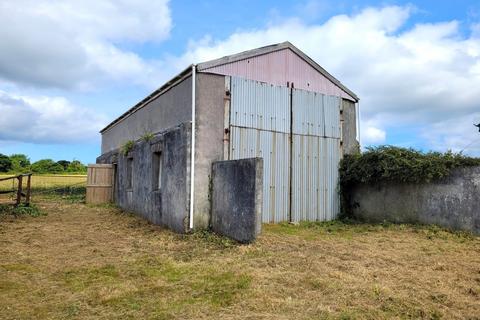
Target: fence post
x=27, y=200
x=19, y=191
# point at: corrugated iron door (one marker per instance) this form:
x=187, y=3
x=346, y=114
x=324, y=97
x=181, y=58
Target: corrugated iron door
x=315, y=156
x=260, y=127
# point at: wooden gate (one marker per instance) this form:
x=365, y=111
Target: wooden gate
x=100, y=182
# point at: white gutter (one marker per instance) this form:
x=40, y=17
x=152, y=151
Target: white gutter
x=192, y=150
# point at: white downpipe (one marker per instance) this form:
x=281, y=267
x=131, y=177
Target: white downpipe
x=192, y=150
x=358, y=124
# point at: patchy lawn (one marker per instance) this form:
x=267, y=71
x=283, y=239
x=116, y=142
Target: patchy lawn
x=82, y=262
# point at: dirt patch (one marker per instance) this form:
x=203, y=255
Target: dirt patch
x=83, y=262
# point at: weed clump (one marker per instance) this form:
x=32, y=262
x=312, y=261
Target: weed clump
x=21, y=210
x=127, y=146
x=147, y=136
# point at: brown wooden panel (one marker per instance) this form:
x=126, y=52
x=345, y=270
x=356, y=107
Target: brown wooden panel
x=99, y=183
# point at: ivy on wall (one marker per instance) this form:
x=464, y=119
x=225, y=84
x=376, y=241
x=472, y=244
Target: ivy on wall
x=398, y=165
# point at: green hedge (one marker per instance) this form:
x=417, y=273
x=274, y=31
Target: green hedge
x=388, y=163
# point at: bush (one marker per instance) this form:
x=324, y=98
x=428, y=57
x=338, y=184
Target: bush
x=5, y=163
x=64, y=164
x=46, y=166
x=388, y=163
x=76, y=167
x=20, y=163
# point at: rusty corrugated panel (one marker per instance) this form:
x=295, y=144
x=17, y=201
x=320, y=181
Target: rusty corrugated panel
x=278, y=68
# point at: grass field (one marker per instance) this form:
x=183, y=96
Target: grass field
x=84, y=262
x=46, y=181
x=46, y=184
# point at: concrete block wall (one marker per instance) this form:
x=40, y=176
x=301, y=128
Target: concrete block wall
x=453, y=202
x=237, y=198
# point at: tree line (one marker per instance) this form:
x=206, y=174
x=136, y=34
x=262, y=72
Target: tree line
x=20, y=163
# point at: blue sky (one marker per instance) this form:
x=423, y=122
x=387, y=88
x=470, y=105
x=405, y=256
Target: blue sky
x=67, y=69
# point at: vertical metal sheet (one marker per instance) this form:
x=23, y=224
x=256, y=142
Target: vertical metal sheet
x=260, y=105
x=273, y=147
x=308, y=113
x=279, y=67
x=315, y=156
x=260, y=126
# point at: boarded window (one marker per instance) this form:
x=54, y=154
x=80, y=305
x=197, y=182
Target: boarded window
x=157, y=162
x=129, y=173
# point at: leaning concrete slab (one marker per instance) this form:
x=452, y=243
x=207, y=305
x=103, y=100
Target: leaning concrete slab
x=237, y=198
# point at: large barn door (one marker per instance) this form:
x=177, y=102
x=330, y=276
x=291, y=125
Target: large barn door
x=260, y=127
x=297, y=133
x=315, y=156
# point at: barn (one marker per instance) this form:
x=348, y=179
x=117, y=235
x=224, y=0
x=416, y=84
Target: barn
x=272, y=102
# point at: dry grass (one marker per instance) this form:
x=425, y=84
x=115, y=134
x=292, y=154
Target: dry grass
x=82, y=262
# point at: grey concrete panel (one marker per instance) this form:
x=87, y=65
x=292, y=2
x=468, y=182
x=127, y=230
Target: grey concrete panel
x=349, y=128
x=168, y=110
x=237, y=198
x=208, y=141
x=453, y=202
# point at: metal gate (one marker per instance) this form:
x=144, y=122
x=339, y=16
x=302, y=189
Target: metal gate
x=297, y=133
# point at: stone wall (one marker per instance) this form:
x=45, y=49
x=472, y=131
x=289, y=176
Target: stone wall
x=237, y=198
x=168, y=204
x=453, y=202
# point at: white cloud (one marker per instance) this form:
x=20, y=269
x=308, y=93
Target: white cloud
x=371, y=133
x=458, y=134
x=46, y=120
x=405, y=77
x=78, y=44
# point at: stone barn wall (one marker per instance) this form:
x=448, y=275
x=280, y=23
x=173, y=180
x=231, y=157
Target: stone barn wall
x=167, y=205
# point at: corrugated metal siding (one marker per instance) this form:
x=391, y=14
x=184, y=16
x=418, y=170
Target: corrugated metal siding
x=274, y=148
x=260, y=105
x=278, y=68
x=315, y=156
x=331, y=108
x=260, y=127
